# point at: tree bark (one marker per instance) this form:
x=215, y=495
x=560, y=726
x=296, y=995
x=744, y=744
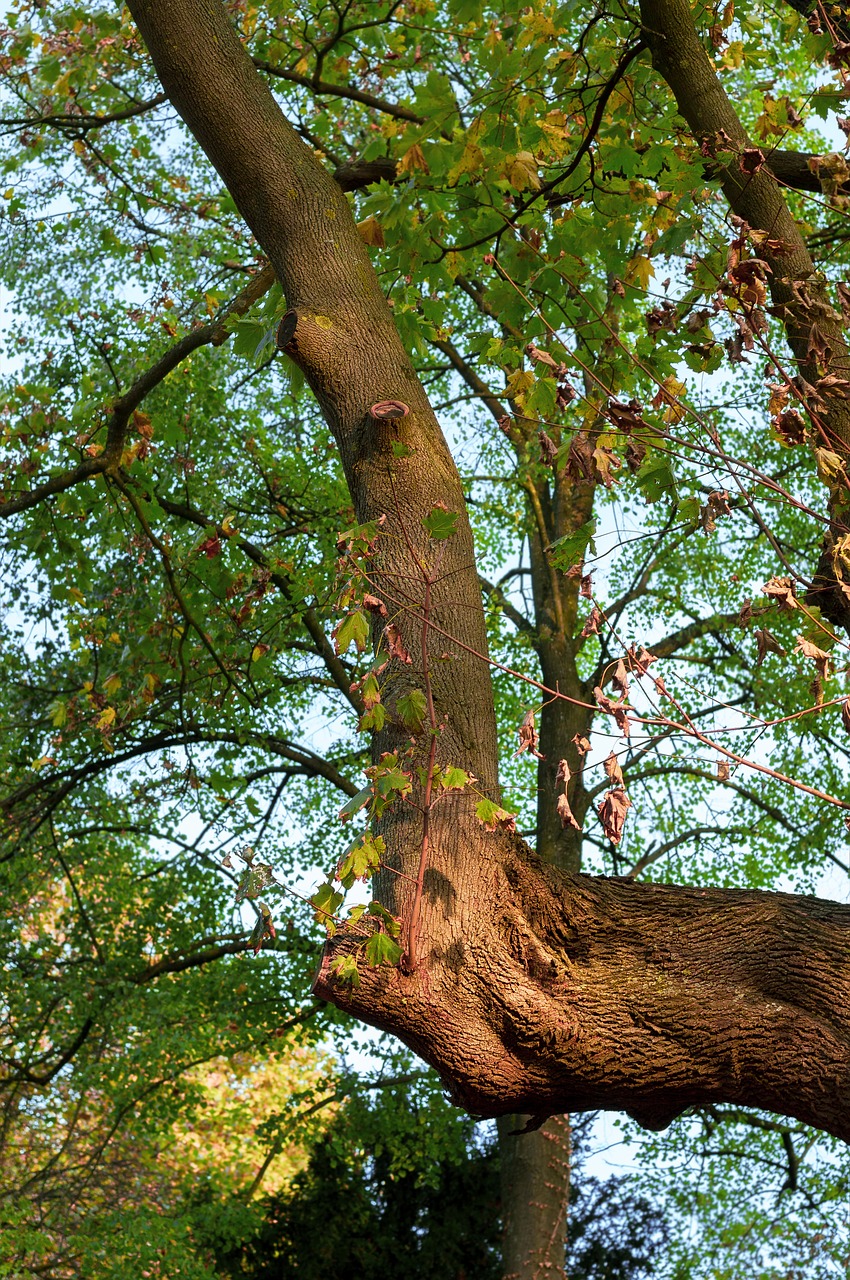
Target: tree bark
x=535, y=1171
x=538, y=991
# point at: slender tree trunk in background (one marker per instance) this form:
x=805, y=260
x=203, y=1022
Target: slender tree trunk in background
x=535, y=1171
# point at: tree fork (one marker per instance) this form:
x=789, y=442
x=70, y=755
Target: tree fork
x=537, y=992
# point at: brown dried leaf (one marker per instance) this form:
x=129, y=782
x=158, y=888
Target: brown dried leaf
x=563, y=773
x=395, y=644
x=541, y=357
x=722, y=770
x=717, y=505
x=751, y=160
x=767, y=643
x=612, y=813
x=582, y=745
x=591, y=626
x=640, y=660
x=620, y=679
x=845, y=714
x=580, y=457
x=635, y=454
x=819, y=656
x=566, y=814
x=782, y=591
x=374, y=605
x=586, y=586
x=616, y=709
x=612, y=768
x=790, y=426
x=548, y=449
x=528, y=736
x=625, y=417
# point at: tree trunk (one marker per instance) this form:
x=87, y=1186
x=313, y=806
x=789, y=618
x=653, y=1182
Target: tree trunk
x=535, y=991
x=535, y=1170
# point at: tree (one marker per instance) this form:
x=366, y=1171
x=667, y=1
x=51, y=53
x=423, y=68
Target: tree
x=520, y=242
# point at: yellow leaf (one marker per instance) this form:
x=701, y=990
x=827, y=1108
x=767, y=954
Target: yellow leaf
x=640, y=271
x=259, y=651
x=829, y=465
x=673, y=390
x=519, y=384
x=372, y=232
x=106, y=718
x=413, y=159
x=471, y=161
x=521, y=172
x=111, y=686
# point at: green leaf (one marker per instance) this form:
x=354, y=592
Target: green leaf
x=492, y=815
x=655, y=478
x=345, y=968
x=361, y=860
x=326, y=901
x=253, y=880
x=354, y=629
x=572, y=548
x=412, y=707
x=356, y=802
x=390, y=922
x=454, y=779
x=382, y=949
x=441, y=523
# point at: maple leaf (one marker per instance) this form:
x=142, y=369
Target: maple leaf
x=640, y=660
x=616, y=709
x=395, y=644
x=766, y=643
x=613, y=770
x=819, y=656
x=620, y=679
x=580, y=457
x=565, y=813
x=528, y=736
x=591, y=626
x=751, y=160
x=845, y=714
x=782, y=591
x=612, y=813
x=374, y=605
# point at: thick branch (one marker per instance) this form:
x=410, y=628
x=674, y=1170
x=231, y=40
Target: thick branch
x=813, y=326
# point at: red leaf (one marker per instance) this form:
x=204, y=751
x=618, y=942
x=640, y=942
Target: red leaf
x=395, y=644
x=374, y=605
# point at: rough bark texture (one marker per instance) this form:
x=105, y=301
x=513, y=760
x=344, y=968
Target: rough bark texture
x=535, y=1169
x=538, y=991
